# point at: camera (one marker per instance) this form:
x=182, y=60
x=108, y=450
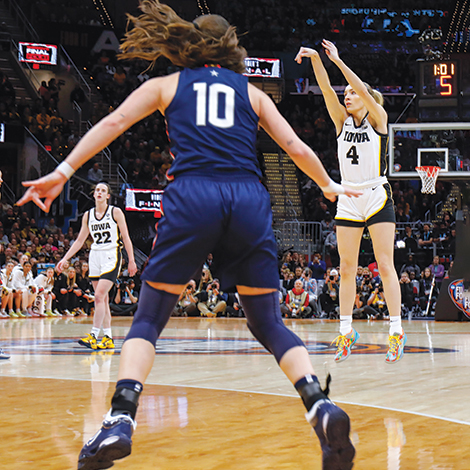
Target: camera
x=123, y=285
x=332, y=278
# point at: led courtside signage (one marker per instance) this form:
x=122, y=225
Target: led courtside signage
x=37, y=53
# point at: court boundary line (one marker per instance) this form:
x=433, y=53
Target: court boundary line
x=379, y=407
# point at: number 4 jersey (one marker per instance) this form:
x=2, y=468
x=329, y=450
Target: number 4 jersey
x=104, y=231
x=362, y=154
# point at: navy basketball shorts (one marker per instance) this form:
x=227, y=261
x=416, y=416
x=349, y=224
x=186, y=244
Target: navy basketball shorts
x=374, y=206
x=230, y=218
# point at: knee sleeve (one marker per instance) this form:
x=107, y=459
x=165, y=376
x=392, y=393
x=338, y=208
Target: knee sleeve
x=264, y=320
x=153, y=312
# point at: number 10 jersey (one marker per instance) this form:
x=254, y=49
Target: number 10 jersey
x=362, y=152
x=104, y=231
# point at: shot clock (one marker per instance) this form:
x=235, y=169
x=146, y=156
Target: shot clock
x=438, y=79
x=438, y=90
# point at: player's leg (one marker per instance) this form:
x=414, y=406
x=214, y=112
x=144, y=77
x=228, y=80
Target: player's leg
x=156, y=303
x=103, y=311
x=383, y=237
x=40, y=305
x=349, y=241
x=331, y=424
x=5, y=297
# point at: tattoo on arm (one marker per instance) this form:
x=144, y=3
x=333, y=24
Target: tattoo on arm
x=122, y=115
x=290, y=142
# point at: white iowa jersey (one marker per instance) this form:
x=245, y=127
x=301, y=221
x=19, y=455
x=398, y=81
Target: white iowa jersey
x=362, y=152
x=104, y=231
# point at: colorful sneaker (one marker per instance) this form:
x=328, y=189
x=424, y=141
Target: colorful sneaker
x=20, y=314
x=331, y=425
x=105, y=343
x=12, y=314
x=88, y=341
x=344, y=344
x=3, y=354
x=396, y=345
x=112, y=442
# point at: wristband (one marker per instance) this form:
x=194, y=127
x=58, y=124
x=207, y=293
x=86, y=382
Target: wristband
x=333, y=188
x=66, y=170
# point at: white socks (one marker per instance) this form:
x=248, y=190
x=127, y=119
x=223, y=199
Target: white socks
x=107, y=332
x=395, y=325
x=345, y=324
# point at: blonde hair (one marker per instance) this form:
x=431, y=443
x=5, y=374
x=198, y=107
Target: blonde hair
x=378, y=97
x=201, y=282
x=159, y=31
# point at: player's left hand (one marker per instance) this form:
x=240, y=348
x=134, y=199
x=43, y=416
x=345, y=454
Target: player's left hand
x=48, y=187
x=132, y=268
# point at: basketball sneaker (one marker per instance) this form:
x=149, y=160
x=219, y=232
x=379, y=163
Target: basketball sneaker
x=12, y=314
x=112, y=442
x=88, y=341
x=331, y=425
x=3, y=354
x=105, y=343
x=396, y=345
x=344, y=344
x=20, y=314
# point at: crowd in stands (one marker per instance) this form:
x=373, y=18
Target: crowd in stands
x=60, y=11
x=308, y=288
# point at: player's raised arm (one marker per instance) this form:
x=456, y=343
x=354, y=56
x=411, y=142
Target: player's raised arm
x=376, y=111
x=336, y=110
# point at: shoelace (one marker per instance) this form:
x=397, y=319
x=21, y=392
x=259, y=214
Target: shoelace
x=393, y=343
x=341, y=341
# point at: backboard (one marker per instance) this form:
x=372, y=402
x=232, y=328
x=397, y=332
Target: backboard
x=446, y=145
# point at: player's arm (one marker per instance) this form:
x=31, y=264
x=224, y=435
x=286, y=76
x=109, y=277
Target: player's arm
x=303, y=156
x=121, y=221
x=77, y=244
x=141, y=103
x=336, y=110
x=376, y=111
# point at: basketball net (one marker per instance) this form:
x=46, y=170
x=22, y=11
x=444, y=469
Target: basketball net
x=428, y=175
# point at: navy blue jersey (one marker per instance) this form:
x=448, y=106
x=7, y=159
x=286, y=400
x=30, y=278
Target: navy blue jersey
x=211, y=124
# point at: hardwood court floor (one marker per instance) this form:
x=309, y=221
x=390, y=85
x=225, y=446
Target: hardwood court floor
x=215, y=400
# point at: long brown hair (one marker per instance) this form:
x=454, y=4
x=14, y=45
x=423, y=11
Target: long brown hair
x=159, y=31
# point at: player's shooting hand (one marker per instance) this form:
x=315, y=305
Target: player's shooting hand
x=331, y=50
x=48, y=187
x=305, y=52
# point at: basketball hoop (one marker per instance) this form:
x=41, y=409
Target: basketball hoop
x=428, y=175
